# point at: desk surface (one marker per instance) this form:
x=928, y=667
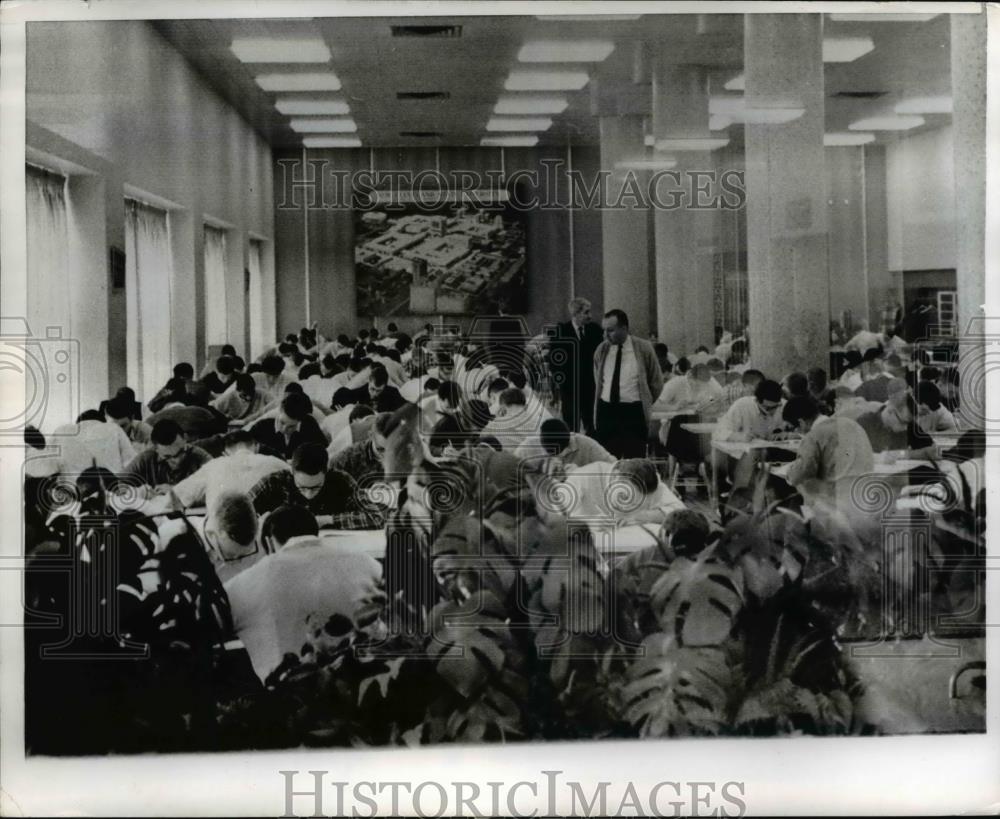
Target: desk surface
x=701, y=427
x=737, y=449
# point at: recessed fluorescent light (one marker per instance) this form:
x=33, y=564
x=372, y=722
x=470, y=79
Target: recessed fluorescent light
x=587, y=18
x=530, y=105
x=298, y=82
x=648, y=164
x=340, y=125
x=888, y=123
x=519, y=124
x=736, y=110
x=692, y=144
x=881, y=18
x=737, y=83
x=838, y=139
x=925, y=105
x=565, y=51
x=649, y=140
x=846, y=49
x=717, y=122
x=292, y=105
x=331, y=142
x=524, y=80
x=277, y=50
x=520, y=140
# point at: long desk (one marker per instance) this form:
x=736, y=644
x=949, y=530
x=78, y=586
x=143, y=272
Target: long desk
x=737, y=449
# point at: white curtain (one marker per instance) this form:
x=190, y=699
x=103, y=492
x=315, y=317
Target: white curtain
x=48, y=254
x=257, y=340
x=148, y=273
x=216, y=325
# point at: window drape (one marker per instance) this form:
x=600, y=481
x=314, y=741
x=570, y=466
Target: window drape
x=148, y=275
x=48, y=285
x=258, y=342
x=216, y=324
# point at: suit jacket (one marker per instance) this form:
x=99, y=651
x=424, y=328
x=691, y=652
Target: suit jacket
x=581, y=364
x=649, y=387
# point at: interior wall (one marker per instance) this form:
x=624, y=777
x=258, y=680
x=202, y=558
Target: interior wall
x=118, y=96
x=314, y=255
x=920, y=188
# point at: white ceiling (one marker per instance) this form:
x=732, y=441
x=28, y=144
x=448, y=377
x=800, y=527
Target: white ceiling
x=909, y=59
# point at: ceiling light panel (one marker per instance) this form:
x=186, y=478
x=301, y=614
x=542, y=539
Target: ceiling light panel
x=510, y=141
x=566, y=80
x=588, y=18
x=881, y=18
x=889, y=123
x=691, y=144
x=280, y=50
x=647, y=164
x=840, y=139
x=737, y=83
x=342, y=125
x=925, y=105
x=294, y=105
x=530, y=105
x=325, y=81
x=519, y=124
x=565, y=51
x=846, y=49
x=331, y=142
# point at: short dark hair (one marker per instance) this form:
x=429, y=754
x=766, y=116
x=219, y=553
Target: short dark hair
x=621, y=315
x=513, y=397
x=118, y=407
x=660, y=348
x=478, y=413
x=554, y=435
x=287, y=522
x=183, y=370
x=641, y=470
x=358, y=363
x=90, y=415
x=238, y=363
x=236, y=517
x=165, y=432
x=688, y=531
x=683, y=365
x=245, y=383
x=817, y=379
x=273, y=364
x=517, y=378
x=33, y=437
x=287, y=348
x=379, y=376
x=798, y=384
x=296, y=405
x=384, y=424
x=768, y=390
x=431, y=383
x=446, y=431
x=391, y=327
x=294, y=387
x=800, y=407
x=752, y=375
x=450, y=392
x=343, y=397
x=497, y=385
x=237, y=437
x=227, y=349
x=359, y=411
x=929, y=394
x=308, y=370
x=929, y=373
x=310, y=458
x=224, y=364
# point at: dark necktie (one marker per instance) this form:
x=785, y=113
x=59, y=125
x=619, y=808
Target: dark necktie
x=616, y=387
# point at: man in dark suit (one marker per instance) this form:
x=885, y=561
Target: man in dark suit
x=293, y=426
x=572, y=365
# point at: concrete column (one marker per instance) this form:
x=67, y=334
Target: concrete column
x=883, y=287
x=624, y=230
x=789, y=296
x=846, y=260
x=968, y=83
x=684, y=306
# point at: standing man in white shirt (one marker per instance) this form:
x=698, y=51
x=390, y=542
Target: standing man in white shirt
x=627, y=380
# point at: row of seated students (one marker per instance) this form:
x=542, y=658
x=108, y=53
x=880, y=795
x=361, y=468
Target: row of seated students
x=230, y=478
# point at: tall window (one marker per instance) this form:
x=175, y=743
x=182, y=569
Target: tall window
x=48, y=253
x=148, y=273
x=257, y=338
x=216, y=325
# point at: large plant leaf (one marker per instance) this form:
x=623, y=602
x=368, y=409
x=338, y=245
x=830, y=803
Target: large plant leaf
x=677, y=691
x=786, y=707
x=697, y=601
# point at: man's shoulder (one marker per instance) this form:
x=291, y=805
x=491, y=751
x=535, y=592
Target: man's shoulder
x=200, y=455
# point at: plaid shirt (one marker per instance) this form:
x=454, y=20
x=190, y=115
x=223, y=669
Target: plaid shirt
x=359, y=461
x=339, y=498
x=731, y=392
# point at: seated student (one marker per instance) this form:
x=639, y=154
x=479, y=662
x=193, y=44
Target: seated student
x=419, y=388
x=833, y=450
x=230, y=534
x=893, y=427
x=697, y=391
x=361, y=421
x=752, y=417
x=170, y=460
x=219, y=379
x=183, y=373
x=226, y=349
x=119, y=411
x=620, y=493
x=358, y=370
x=342, y=405
x=90, y=442
x=292, y=426
x=932, y=415
x=241, y=401
x=390, y=359
x=304, y=583
x=320, y=385
x=875, y=380
x=717, y=370
x=493, y=392
x=271, y=411
x=272, y=379
x=819, y=390
x=699, y=356
x=864, y=340
x=741, y=385
x=196, y=420
x=382, y=395
x=363, y=461
x=847, y=404
x=851, y=376
x=795, y=385
x=572, y=448
x=330, y=494
x=513, y=422
x=447, y=401
x=239, y=469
